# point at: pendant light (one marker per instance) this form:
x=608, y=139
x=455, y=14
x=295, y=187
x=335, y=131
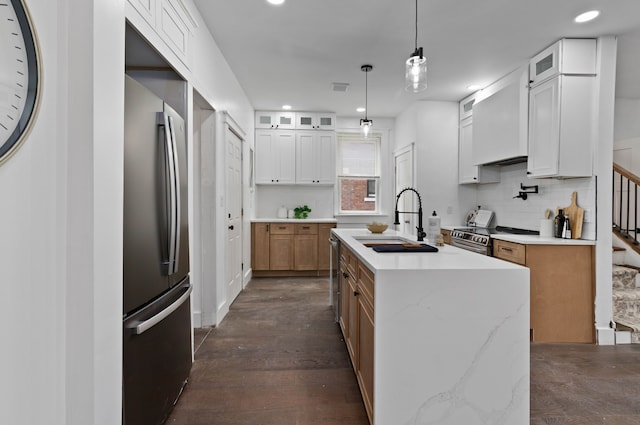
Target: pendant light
x=416, y=66
x=365, y=123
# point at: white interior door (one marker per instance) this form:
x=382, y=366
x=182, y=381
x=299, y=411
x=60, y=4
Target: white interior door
x=234, y=213
x=404, y=178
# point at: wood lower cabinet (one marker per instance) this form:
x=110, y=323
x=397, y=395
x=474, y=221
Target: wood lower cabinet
x=260, y=246
x=562, y=284
x=324, y=249
x=305, y=247
x=357, y=321
x=290, y=249
x=365, y=337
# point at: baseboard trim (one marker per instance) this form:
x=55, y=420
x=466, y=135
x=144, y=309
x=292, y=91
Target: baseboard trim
x=605, y=336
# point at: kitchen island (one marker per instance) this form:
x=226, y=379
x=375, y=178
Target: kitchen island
x=435, y=338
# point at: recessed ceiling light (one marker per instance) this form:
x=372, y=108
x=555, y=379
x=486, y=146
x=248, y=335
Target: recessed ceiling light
x=360, y=110
x=587, y=16
x=276, y=2
x=287, y=107
x=473, y=87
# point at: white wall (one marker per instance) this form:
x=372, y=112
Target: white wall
x=553, y=193
x=433, y=126
x=627, y=119
x=61, y=244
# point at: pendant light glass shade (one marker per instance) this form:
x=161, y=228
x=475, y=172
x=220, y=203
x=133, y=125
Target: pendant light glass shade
x=416, y=72
x=416, y=66
x=365, y=123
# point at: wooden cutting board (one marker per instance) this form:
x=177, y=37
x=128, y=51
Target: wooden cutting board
x=576, y=215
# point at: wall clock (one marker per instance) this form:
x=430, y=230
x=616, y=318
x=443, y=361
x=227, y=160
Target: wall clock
x=19, y=76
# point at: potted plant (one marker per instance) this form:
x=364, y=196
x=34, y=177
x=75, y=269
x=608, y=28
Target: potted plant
x=301, y=212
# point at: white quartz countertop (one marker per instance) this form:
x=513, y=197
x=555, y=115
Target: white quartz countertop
x=294, y=220
x=530, y=239
x=447, y=258
x=538, y=240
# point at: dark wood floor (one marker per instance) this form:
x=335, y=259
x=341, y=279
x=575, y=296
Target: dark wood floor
x=278, y=359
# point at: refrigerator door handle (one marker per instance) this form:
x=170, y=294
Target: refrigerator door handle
x=176, y=197
x=140, y=328
x=165, y=121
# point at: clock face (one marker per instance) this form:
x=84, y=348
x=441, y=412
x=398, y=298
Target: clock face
x=18, y=76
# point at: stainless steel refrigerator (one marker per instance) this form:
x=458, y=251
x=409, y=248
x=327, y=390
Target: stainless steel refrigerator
x=156, y=313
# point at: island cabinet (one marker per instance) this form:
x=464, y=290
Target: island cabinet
x=357, y=321
x=290, y=249
x=438, y=337
x=561, y=287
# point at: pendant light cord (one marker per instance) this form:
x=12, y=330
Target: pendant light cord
x=416, y=41
x=366, y=93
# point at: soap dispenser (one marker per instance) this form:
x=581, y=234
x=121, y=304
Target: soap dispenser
x=433, y=228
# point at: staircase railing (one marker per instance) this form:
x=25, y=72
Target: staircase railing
x=625, y=203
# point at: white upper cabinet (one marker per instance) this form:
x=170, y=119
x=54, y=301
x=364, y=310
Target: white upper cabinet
x=315, y=121
x=561, y=110
x=275, y=120
x=275, y=157
x=290, y=149
x=315, y=157
x=575, y=56
x=172, y=21
x=500, y=118
x=560, y=131
x=467, y=171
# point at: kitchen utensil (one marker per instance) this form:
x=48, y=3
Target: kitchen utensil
x=576, y=215
x=483, y=218
x=548, y=214
x=546, y=227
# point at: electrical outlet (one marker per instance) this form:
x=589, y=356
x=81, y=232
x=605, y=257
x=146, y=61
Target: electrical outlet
x=587, y=216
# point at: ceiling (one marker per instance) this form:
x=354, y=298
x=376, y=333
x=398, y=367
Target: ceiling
x=290, y=54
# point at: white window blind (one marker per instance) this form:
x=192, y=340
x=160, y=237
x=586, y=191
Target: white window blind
x=358, y=157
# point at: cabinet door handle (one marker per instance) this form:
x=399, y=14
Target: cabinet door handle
x=346, y=276
x=231, y=227
x=306, y=227
x=282, y=227
x=356, y=293
x=504, y=248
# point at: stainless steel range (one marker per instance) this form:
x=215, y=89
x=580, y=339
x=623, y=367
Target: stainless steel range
x=479, y=239
x=472, y=240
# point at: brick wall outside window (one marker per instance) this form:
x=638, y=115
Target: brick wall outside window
x=354, y=192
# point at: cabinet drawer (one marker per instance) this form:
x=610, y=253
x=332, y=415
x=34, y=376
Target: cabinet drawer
x=349, y=260
x=306, y=228
x=365, y=282
x=514, y=252
x=281, y=228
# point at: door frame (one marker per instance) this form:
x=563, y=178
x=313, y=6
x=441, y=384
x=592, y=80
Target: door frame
x=409, y=148
x=225, y=121
x=229, y=126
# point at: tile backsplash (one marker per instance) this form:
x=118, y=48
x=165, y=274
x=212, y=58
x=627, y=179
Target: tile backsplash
x=553, y=193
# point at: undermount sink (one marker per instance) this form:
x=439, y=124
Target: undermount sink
x=372, y=240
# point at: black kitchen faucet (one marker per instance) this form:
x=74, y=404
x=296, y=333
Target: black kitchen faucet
x=421, y=233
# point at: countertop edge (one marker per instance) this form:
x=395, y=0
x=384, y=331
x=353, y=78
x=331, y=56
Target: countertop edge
x=294, y=220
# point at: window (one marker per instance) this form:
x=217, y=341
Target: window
x=358, y=173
